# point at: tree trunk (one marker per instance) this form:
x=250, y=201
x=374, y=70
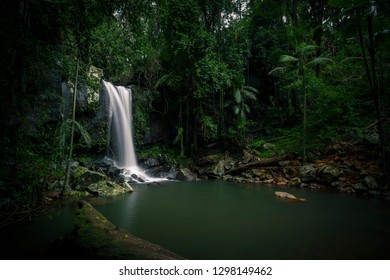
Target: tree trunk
x=377, y=96
x=68, y=168
x=260, y=163
x=318, y=8
x=304, y=114
x=375, y=92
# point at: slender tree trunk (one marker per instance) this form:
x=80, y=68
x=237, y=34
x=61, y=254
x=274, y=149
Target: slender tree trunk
x=180, y=130
x=319, y=6
x=221, y=117
x=304, y=114
x=68, y=168
x=375, y=91
x=377, y=96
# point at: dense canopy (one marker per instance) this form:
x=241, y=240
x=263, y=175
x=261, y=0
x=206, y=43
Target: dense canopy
x=226, y=74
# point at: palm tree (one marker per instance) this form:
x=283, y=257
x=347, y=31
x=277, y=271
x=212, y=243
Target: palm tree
x=299, y=61
x=242, y=94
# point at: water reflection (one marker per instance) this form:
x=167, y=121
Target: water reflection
x=219, y=220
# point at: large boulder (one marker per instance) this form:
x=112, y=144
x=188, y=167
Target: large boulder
x=308, y=173
x=370, y=182
x=149, y=162
x=184, y=174
x=96, y=183
x=360, y=188
x=108, y=188
x=261, y=174
x=219, y=168
x=82, y=177
x=328, y=174
x=295, y=182
x=215, y=166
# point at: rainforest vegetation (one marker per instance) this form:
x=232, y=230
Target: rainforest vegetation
x=271, y=77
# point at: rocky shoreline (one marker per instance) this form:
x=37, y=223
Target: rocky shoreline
x=343, y=168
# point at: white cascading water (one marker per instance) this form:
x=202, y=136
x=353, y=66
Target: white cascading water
x=120, y=115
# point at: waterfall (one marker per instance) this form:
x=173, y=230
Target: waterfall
x=120, y=115
x=121, y=146
x=121, y=140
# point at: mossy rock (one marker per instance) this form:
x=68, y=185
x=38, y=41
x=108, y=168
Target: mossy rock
x=101, y=239
x=108, y=188
x=82, y=177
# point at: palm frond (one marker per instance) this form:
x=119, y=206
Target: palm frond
x=64, y=131
x=236, y=109
x=237, y=95
x=287, y=58
x=252, y=89
x=277, y=70
x=307, y=49
x=351, y=59
x=319, y=60
x=84, y=134
x=249, y=94
x=246, y=108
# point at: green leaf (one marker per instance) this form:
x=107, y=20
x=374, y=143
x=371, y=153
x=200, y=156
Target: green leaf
x=84, y=134
x=252, y=89
x=64, y=132
x=307, y=49
x=249, y=94
x=236, y=109
x=179, y=135
x=237, y=95
x=320, y=60
x=288, y=58
x=246, y=108
x=277, y=70
x=351, y=59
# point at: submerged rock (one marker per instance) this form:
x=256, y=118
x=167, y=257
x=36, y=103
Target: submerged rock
x=286, y=195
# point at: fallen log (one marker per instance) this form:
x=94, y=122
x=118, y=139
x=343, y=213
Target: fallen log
x=260, y=163
x=103, y=240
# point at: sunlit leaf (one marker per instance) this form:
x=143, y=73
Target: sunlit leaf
x=287, y=58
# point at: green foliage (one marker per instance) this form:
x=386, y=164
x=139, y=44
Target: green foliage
x=27, y=168
x=242, y=96
x=179, y=136
x=239, y=135
x=212, y=75
x=209, y=129
x=172, y=153
x=63, y=134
